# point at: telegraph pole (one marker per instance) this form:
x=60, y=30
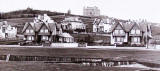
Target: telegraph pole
x=147, y=35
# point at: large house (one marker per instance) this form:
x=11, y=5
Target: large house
x=7, y=30
x=44, y=29
x=101, y=26
x=91, y=11
x=73, y=24
x=132, y=34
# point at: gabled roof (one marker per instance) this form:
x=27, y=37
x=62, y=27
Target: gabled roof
x=37, y=24
x=127, y=27
x=52, y=26
x=26, y=26
x=138, y=25
x=97, y=21
x=116, y=24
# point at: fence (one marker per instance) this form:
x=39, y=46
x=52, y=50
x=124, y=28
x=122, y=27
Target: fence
x=64, y=45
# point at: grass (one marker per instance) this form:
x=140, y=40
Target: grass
x=39, y=66
x=140, y=55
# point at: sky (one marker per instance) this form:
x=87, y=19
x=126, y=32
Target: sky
x=122, y=9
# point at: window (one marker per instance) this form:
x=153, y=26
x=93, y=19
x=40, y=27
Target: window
x=101, y=28
x=27, y=31
x=119, y=39
x=136, y=39
x=137, y=31
x=121, y=32
x=132, y=31
x=31, y=31
x=44, y=37
x=46, y=31
x=30, y=38
x=3, y=29
x=41, y=30
x=116, y=32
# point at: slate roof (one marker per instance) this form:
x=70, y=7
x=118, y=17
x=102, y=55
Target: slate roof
x=37, y=25
x=127, y=27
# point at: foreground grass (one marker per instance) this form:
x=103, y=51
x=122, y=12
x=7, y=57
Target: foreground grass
x=39, y=66
x=140, y=55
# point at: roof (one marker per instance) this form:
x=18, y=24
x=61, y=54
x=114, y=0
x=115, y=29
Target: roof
x=36, y=25
x=128, y=26
x=116, y=24
x=66, y=35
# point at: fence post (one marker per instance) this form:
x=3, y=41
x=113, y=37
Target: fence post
x=8, y=56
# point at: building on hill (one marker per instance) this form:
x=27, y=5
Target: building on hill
x=43, y=29
x=91, y=11
x=128, y=33
x=7, y=30
x=73, y=25
x=101, y=26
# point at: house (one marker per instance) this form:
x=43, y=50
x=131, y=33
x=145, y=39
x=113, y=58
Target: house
x=73, y=24
x=43, y=29
x=119, y=34
x=101, y=26
x=136, y=35
x=91, y=11
x=7, y=30
x=40, y=30
x=128, y=33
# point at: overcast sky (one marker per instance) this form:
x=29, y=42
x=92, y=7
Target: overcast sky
x=123, y=9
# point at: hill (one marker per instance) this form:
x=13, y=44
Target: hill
x=27, y=13
x=30, y=13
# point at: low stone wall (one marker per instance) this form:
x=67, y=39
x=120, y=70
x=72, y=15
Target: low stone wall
x=64, y=45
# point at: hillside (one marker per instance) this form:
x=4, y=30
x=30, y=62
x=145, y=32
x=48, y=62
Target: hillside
x=27, y=13
x=19, y=17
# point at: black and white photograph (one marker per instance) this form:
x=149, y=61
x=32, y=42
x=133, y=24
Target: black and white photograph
x=79, y=35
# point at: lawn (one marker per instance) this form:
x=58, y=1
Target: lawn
x=140, y=55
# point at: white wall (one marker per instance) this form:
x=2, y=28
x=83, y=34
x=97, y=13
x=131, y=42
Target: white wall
x=11, y=32
x=112, y=39
x=126, y=38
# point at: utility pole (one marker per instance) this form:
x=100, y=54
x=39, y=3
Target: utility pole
x=147, y=35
